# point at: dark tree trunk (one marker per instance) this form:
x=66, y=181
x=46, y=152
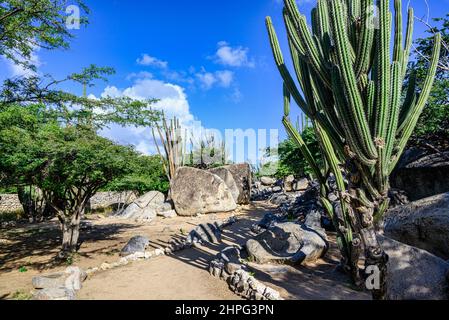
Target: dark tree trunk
x=70, y=232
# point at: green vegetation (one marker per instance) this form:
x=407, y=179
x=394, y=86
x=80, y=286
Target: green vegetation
x=51, y=153
x=435, y=117
x=351, y=83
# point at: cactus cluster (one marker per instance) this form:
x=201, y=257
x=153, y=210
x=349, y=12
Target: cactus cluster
x=351, y=88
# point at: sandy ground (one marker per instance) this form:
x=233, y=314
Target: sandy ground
x=182, y=276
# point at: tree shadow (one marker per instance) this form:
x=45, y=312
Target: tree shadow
x=44, y=244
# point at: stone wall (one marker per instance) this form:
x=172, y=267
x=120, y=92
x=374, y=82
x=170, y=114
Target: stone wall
x=106, y=199
x=11, y=203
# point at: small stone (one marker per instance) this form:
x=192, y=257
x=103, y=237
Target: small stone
x=148, y=255
x=105, y=266
x=159, y=252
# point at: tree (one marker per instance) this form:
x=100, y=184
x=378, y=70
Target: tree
x=147, y=174
x=435, y=117
x=291, y=159
x=69, y=163
x=351, y=83
x=27, y=25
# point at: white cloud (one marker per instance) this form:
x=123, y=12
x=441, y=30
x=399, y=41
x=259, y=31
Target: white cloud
x=172, y=100
x=16, y=70
x=223, y=78
x=233, y=56
x=139, y=75
x=147, y=60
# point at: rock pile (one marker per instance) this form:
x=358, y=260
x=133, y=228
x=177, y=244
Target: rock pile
x=288, y=242
x=228, y=267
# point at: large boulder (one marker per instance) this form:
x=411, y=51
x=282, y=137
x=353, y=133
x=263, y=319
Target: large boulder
x=414, y=274
x=195, y=191
x=288, y=242
x=243, y=178
x=423, y=224
x=228, y=178
x=421, y=174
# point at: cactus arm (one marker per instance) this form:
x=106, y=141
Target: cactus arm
x=409, y=102
x=316, y=59
x=398, y=54
x=416, y=111
x=408, y=41
x=383, y=72
x=371, y=91
x=351, y=137
x=279, y=59
x=355, y=108
x=396, y=73
x=364, y=46
x=291, y=32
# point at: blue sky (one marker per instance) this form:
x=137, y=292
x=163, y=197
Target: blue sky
x=208, y=61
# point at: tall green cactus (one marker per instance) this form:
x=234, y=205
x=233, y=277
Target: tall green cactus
x=350, y=87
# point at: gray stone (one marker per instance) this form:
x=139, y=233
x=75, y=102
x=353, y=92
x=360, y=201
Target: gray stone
x=287, y=242
x=146, y=215
x=414, y=274
x=277, y=189
x=301, y=185
x=54, y=280
x=165, y=207
x=423, y=224
x=228, y=178
x=145, y=208
x=75, y=278
x=195, y=191
x=168, y=214
x=54, y=294
x=288, y=183
x=268, y=181
x=134, y=245
x=242, y=174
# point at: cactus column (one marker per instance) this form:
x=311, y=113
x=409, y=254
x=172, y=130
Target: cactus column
x=350, y=87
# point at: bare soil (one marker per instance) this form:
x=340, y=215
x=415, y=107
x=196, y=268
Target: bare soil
x=182, y=276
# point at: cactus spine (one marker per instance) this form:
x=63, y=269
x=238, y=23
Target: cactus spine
x=350, y=87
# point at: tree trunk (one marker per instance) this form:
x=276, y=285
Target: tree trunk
x=70, y=232
x=363, y=211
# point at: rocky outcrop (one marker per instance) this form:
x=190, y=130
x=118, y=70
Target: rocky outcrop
x=414, y=274
x=195, y=191
x=423, y=224
x=288, y=242
x=421, y=174
x=146, y=208
x=243, y=178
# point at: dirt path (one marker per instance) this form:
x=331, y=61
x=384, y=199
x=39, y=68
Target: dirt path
x=182, y=276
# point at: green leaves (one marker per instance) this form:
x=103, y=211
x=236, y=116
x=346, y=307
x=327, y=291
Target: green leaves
x=26, y=25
